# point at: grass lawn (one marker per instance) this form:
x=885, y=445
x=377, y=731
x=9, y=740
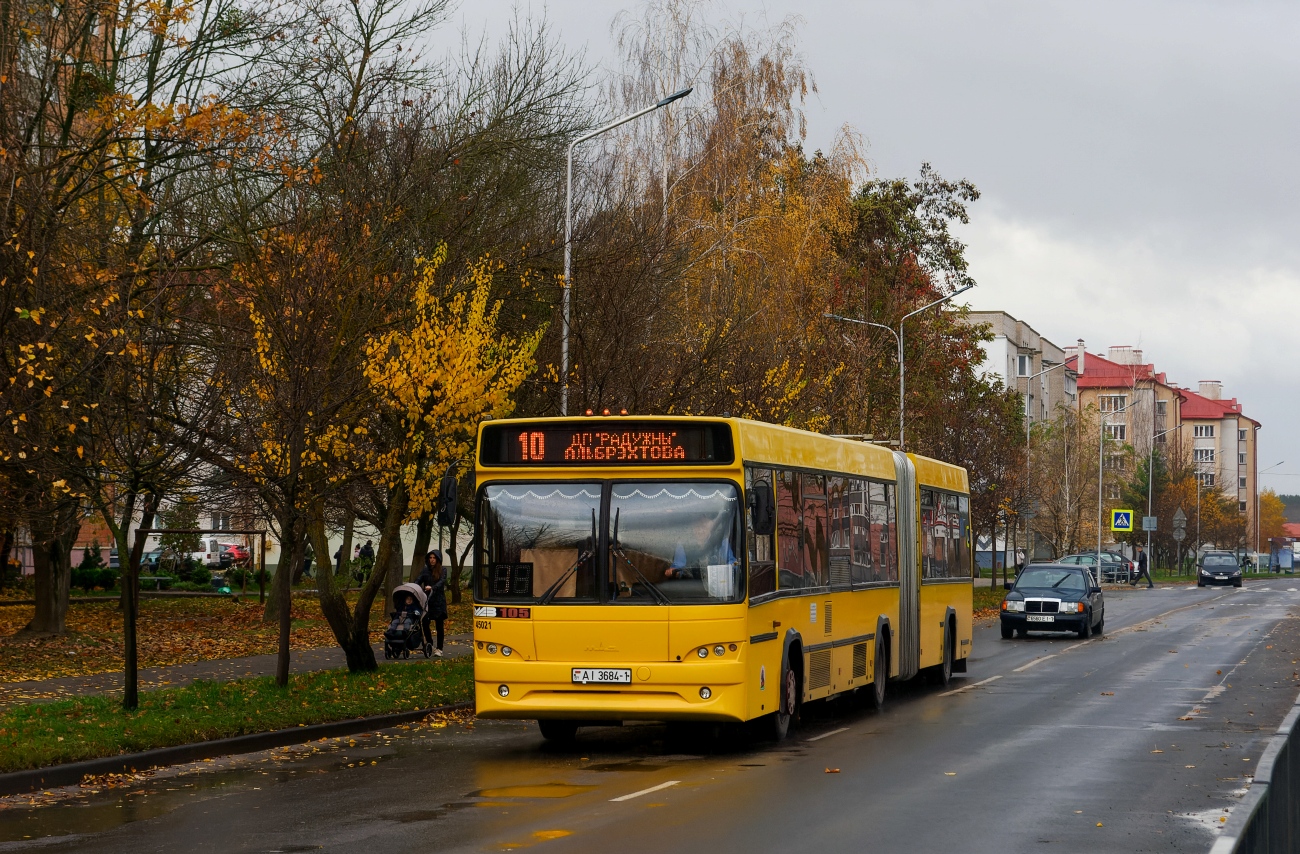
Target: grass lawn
x=171, y=631
x=36, y=736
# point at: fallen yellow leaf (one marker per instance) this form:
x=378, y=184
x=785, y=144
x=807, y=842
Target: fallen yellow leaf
x=832, y=770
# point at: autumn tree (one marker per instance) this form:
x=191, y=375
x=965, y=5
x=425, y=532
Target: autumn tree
x=431, y=382
x=1272, y=516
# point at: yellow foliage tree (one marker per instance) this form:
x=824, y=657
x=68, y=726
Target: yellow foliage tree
x=431, y=381
x=442, y=376
x=1272, y=516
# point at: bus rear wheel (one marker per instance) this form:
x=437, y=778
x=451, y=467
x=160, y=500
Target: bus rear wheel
x=785, y=713
x=943, y=673
x=879, y=678
x=561, y=732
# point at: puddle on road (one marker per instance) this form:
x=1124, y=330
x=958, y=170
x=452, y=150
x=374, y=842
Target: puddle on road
x=543, y=790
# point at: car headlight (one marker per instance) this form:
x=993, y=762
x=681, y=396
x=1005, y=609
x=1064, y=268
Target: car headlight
x=1016, y=605
x=1204, y=571
x=1072, y=607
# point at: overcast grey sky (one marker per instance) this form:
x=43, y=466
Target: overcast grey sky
x=1139, y=163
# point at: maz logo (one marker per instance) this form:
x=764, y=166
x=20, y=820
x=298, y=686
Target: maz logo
x=600, y=647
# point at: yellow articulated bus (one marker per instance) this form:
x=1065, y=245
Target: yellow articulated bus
x=708, y=569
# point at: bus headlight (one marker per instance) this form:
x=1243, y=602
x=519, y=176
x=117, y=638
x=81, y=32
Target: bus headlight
x=492, y=649
x=719, y=649
x=705, y=693
x=503, y=690
x=704, y=652
x=505, y=650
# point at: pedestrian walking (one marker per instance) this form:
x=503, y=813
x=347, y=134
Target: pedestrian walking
x=1141, y=558
x=434, y=581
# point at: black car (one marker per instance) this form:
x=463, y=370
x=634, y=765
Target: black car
x=1053, y=598
x=1219, y=568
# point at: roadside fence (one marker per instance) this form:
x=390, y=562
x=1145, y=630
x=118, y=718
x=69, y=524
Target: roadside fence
x=1267, y=821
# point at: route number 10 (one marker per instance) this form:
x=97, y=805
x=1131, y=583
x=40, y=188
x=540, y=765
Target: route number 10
x=532, y=446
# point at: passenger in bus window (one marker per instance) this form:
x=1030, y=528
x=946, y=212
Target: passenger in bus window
x=702, y=531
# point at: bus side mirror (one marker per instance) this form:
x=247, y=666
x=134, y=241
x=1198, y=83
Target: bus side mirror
x=447, y=500
x=762, y=509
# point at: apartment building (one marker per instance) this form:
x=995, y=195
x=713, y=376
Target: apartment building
x=1024, y=360
x=1223, y=445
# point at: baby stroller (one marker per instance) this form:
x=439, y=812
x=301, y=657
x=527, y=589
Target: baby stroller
x=404, y=633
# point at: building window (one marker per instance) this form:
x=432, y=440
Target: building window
x=1024, y=366
x=1241, y=482
x=221, y=521
x=1241, y=435
x=1203, y=431
x=1112, y=402
x=1112, y=492
x=1203, y=455
x=1117, y=432
x=1241, y=506
x=1241, y=459
x=1114, y=462
x=1207, y=480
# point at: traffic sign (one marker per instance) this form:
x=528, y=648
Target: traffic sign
x=1179, y=535
x=1149, y=523
x=1180, y=519
x=1121, y=520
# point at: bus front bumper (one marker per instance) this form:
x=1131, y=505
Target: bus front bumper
x=659, y=691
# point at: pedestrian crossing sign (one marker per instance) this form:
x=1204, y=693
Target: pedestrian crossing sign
x=1121, y=520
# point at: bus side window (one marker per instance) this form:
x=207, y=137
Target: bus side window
x=929, y=557
x=961, y=550
x=789, y=529
x=889, y=540
x=855, y=531
x=762, y=566
x=816, y=530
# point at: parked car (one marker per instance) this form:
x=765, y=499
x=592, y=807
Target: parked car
x=1114, y=567
x=1053, y=598
x=1218, y=568
x=232, y=553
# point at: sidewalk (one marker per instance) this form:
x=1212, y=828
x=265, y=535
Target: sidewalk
x=217, y=670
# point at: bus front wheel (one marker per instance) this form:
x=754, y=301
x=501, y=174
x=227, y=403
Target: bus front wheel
x=785, y=713
x=558, y=731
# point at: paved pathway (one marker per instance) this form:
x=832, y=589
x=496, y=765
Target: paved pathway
x=302, y=661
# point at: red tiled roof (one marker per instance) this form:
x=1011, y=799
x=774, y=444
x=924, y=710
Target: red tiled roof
x=1196, y=407
x=1100, y=372
x=1292, y=529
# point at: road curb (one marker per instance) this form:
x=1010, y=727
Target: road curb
x=21, y=782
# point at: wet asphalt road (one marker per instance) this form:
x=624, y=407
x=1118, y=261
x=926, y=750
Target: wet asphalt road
x=1151, y=732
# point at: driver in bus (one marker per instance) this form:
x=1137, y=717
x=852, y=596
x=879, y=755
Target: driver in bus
x=720, y=554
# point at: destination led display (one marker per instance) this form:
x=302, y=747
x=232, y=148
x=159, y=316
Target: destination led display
x=602, y=443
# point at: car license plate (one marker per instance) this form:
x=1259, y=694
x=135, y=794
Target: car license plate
x=602, y=676
x=1040, y=618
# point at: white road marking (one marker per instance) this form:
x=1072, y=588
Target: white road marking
x=828, y=734
x=968, y=687
x=661, y=786
x=1025, y=667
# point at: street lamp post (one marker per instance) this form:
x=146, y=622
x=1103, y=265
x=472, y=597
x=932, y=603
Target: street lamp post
x=1151, y=478
x=568, y=233
x=1029, y=422
x=1101, y=472
x=898, y=336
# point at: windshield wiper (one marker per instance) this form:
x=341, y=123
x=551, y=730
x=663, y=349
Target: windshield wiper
x=583, y=557
x=617, y=549
x=1059, y=583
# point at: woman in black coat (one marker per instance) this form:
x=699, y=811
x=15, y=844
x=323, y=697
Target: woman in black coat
x=434, y=582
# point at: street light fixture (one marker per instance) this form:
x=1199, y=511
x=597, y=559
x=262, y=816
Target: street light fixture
x=898, y=336
x=568, y=232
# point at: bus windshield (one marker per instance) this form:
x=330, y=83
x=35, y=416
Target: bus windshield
x=658, y=543
x=674, y=542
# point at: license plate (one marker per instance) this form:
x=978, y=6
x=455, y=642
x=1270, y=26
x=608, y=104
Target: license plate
x=602, y=676
x=1040, y=618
